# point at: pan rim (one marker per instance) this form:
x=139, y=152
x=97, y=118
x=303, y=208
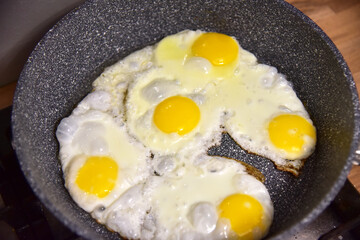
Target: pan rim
x=75, y=227
x=356, y=134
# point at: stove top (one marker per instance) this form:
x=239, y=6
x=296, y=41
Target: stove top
x=23, y=216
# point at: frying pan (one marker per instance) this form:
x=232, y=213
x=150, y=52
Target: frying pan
x=76, y=50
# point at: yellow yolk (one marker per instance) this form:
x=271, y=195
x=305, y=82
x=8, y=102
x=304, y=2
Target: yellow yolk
x=244, y=212
x=97, y=176
x=176, y=115
x=287, y=132
x=218, y=48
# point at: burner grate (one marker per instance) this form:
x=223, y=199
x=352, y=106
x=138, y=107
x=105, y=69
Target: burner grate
x=22, y=215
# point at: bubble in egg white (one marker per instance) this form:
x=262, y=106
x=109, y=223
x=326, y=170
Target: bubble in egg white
x=98, y=212
x=198, y=98
x=129, y=198
x=148, y=227
x=198, y=64
x=164, y=164
x=90, y=139
x=127, y=212
x=159, y=89
x=97, y=100
x=125, y=222
x=66, y=129
x=203, y=217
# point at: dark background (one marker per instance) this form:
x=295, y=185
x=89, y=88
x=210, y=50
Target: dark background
x=22, y=25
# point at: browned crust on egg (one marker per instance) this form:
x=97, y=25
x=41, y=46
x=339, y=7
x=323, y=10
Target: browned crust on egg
x=289, y=169
x=295, y=171
x=124, y=100
x=253, y=171
x=286, y=168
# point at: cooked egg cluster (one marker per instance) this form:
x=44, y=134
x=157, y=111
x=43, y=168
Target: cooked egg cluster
x=212, y=199
x=254, y=97
x=134, y=151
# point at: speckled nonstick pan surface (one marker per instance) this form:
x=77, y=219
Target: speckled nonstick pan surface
x=62, y=67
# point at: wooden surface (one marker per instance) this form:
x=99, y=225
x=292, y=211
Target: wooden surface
x=340, y=20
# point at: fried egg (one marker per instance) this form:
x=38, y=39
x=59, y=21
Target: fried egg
x=100, y=160
x=267, y=118
x=168, y=117
x=214, y=198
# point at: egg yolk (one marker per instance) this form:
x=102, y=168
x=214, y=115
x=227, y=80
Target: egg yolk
x=287, y=132
x=244, y=213
x=218, y=48
x=176, y=114
x=97, y=176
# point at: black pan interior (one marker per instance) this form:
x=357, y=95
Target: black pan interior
x=59, y=73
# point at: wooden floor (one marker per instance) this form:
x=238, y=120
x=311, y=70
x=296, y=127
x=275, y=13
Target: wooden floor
x=340, y=20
